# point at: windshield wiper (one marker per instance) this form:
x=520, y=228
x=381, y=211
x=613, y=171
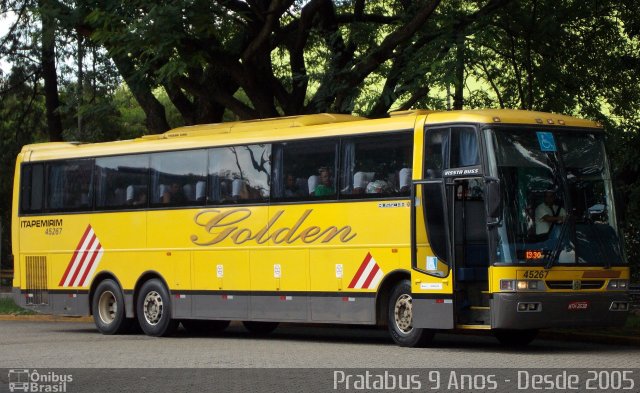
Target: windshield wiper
x=553, y=255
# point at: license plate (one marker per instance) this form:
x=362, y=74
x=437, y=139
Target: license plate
x=575, y=306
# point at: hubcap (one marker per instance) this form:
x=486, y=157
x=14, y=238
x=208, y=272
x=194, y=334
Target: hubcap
x=403, y=314
x=153, y=307
x=107, y=307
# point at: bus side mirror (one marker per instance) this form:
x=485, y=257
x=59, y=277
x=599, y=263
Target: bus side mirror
x=494, y=199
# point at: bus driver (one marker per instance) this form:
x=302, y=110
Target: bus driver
x=548, y=213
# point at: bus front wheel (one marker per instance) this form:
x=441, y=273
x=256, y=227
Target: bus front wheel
x=153, y=309
x=108, y=308
x=400, y=318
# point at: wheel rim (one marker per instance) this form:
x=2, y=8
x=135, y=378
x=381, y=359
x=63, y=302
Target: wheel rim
x=107, y=307
x=153, y=308
x=403, y=315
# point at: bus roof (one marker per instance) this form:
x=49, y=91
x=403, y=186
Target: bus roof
x=287, y=128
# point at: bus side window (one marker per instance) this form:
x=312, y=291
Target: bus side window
x=69, y=185
x=436, y=153
x=376, y=166
x=175, y=175
x=32, y=188
x=464, y=149
x=239, y=174
x=121, y=181
x=304, y=170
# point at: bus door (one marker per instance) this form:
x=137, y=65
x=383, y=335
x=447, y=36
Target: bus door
x=470, y=250
x=452, y=196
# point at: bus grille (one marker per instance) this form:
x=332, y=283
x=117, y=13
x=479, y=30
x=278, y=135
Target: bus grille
x=37, y=292
x=575, y=285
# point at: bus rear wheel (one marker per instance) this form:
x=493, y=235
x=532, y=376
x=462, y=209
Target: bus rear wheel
x=108, y=308
x=204, y=327
x=400, y=318
x=260, y=328
x=153, y=309
x=515, y=338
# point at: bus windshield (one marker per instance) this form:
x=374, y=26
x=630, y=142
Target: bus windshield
x=558, y=205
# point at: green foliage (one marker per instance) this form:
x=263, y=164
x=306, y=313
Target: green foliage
x=9, y=307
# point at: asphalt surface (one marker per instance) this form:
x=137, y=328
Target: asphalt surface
x=29, y=344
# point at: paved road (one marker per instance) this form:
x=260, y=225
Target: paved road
x=76, y=344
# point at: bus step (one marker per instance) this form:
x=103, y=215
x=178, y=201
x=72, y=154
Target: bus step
x=473, y=327
x=475, y=315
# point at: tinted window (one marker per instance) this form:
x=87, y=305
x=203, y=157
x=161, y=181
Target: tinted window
x=376, y=166
x=69, y=185
x=305, y=170
x=122, y=181
x=436, y=152
x=239, y=174
x=434, y=215
x=464, y=149
x=179, y=178
x=32, y=188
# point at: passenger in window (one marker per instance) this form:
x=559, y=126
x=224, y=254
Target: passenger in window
x=174, y=195
x=379, y=185
x=141, y=199
x=291, y=188
x=325, y=187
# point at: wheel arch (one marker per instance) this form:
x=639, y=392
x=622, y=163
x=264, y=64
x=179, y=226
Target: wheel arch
x=384, y=290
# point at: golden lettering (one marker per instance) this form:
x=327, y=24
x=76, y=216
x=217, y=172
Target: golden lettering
x=222, y=225
x=308, y=234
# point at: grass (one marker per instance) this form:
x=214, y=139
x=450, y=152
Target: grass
x=9, y=307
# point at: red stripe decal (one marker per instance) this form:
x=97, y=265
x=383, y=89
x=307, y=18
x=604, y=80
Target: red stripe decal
x=82, y=260
x=372, y=274
x=75, y=254
x=363, y=266
x=91, y=261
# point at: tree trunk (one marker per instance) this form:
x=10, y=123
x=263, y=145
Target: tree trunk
x=80, y=81
x=49, y=74
x=156, y=119
x=458, y=97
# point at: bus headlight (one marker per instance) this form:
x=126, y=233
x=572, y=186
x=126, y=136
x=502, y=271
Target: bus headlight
x=618, y=284
x=521, y=285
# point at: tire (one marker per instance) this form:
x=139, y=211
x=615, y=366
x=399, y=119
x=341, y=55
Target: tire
x=260, y=328
x=153, y=309
x=108, y=310
x=203, y=328
x=515, y=338
x=400, y=318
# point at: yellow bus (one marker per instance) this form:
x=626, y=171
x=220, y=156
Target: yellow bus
x=501, y=220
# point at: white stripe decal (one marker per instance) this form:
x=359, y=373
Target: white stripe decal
x=93, y=268
x=78, y=258
x=376, y=279
x=86, y=262
x=365, y=274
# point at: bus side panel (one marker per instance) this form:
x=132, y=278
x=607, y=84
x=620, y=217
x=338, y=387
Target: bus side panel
x=366, y=239
x=221, y=284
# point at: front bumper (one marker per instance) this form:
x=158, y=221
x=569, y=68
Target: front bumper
x=556, y=310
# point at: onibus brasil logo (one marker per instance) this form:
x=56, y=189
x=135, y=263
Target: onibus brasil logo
x=24, y=380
